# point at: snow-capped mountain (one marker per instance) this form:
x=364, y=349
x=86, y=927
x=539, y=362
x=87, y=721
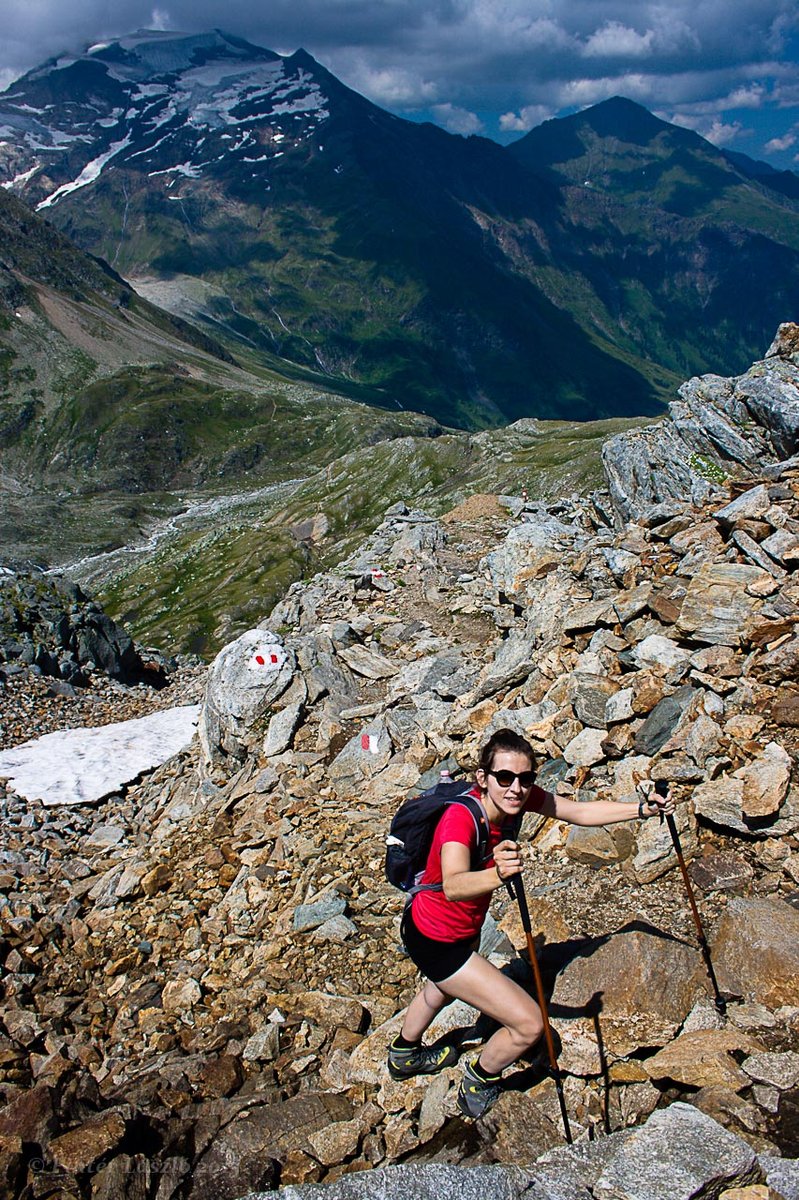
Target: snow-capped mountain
x=168, y=104
x=259, y=196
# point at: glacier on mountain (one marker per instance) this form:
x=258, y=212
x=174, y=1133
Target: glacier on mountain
x=141, y=95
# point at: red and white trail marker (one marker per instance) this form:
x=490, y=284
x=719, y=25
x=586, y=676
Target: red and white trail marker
x=267, y=658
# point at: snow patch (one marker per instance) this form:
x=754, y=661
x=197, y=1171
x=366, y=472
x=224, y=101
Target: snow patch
x=79, y=766
x=23, y=178
x=88, y=175
x=187, y=169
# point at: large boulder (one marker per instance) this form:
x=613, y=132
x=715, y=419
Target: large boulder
x=530, y=551
x=244, y=680
x=678, y=1154
x=639, y=983
x=756, y=951
x=718, y=606
x=435, y=1181
x=703, y=1058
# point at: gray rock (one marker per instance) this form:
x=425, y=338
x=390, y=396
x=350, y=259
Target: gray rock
x=589, y=695
x=655, y=851
x=336, y=929
x=325, y=674
x=529, y=550
x=717, y=605
x=659, y=651
x=650, y=1167
x=513, y=662
x=770, y=397
x=585, y=749
x=367, y=662
x=436, y=1181
x=418, y=542
x=782, y=1174
x=281, y=729
x=619, y=561
x=751, y=550
x=781, y=1070
x=721, y=801
x=368, y=752
x=753, y=503
x=619, y=707
x=663, y=720
x=570, y=1172
x=317, y=912
x=246, y=677
x=782, y=545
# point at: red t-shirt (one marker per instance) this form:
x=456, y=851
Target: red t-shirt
x=446, y=920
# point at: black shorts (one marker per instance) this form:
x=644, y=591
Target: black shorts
x=436, y=960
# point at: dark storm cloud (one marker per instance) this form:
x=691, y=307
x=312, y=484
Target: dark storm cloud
x=497, y=66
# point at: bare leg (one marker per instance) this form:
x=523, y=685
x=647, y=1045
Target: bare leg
x=480, y=984
x=423, y=1010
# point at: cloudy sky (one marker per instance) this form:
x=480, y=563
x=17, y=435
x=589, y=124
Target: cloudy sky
x=726, y=68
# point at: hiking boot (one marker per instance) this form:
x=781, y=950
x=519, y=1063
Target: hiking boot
x=419, y=1060
x=476, y=1095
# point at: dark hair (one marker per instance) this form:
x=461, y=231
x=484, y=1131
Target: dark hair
x=504, y=740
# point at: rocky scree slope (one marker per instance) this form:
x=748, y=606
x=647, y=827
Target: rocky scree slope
x=202, y=977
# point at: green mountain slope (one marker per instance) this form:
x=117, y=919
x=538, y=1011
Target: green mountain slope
x=213, y=574
x=110, y=406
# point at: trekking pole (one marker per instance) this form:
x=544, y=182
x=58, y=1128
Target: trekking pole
x=515, y=886
x=661, y=787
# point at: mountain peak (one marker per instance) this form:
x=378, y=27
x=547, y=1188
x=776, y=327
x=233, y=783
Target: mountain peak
x=171, y=103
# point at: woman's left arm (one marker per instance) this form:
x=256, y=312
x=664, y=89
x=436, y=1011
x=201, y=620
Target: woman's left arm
x=605, y=812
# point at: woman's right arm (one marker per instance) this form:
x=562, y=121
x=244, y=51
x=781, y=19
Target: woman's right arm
x=460, y=882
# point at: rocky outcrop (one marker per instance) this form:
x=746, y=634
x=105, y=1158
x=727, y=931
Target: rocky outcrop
x=48, y=623
x=719, y=428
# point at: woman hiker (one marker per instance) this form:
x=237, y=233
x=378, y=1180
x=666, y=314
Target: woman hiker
x=441, y=927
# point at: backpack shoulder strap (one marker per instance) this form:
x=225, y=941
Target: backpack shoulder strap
x=480, y=818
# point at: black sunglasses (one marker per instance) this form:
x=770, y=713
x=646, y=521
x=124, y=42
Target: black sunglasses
x=506, y=778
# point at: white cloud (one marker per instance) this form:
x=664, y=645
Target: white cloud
x=779, y=144
x=457, y=120
x=752, y=95
x=526, y=119
x=579, y=93
x=722, y=133
x=615, y=40
x=394, y=87
x=717, y=131
x=160, y=19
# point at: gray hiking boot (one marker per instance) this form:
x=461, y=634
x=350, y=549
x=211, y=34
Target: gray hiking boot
x=419, y=1060
x=476, y=1095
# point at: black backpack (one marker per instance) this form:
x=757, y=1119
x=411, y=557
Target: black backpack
x=410, y=834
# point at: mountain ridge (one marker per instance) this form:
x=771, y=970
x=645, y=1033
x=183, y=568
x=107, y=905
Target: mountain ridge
x=297, y=217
